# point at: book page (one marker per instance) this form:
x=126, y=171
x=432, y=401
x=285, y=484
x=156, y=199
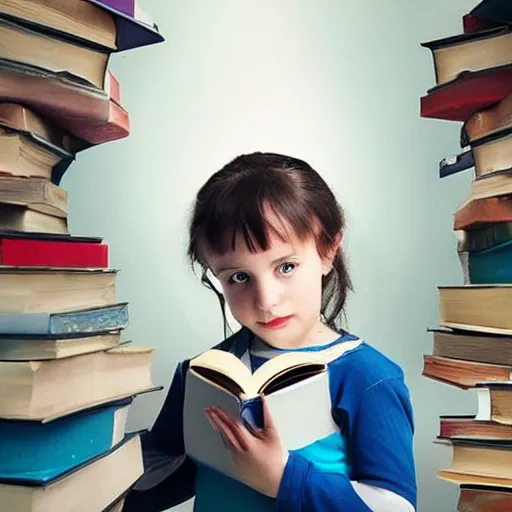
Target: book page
x=225, y=365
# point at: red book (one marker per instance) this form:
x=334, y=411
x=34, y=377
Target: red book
x=113, y=87
x=52, y=252
x=92, y=115
x=481, y=213
x=471, y=23
x=114, y=126
x=470, y=92
x=468, y=428
x=483, y=498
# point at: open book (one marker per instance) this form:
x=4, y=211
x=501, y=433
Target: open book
x=295, y=386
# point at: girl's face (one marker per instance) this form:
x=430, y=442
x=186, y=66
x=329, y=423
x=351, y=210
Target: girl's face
x=276, y=293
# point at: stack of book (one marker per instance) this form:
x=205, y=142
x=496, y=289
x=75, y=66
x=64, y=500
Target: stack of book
x=473, y=345
x=66, y=378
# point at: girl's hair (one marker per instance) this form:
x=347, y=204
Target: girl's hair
x=232, y=202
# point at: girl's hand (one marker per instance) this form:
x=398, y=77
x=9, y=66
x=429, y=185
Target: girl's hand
x=259, y=458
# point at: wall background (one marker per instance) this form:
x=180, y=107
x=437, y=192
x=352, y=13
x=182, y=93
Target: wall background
x=335, y=83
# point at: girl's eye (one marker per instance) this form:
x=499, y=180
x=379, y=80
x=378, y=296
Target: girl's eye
x=287, y=268
x=239, y=278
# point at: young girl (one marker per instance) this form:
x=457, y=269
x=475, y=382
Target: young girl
x=269, y=229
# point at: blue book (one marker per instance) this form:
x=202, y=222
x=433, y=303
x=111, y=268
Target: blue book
x=456, y=163
x=34, y=452
x=493, y=265
x=134, y=27
x=93, y=486
x=495, y=11
x=99, y=319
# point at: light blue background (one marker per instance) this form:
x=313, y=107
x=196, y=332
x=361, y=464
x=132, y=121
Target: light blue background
x=334, y=82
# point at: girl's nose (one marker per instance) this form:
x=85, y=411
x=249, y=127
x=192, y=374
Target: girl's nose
x=267, y=294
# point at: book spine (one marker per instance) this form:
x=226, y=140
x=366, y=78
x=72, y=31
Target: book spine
x=114, y=88
x=470, y=93
x=116, y=127
x=125, y=6
x=493, y=210
x=133, y=29
x=24, y=323
x=18, y=252
x=491, y=265
x=456, y=164
x=56, y=95
x=482, y=500
x=251, y=414
x=472, y=24
x=103, y=319
x=35, y=452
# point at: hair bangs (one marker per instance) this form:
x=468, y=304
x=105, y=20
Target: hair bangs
x=255, y=212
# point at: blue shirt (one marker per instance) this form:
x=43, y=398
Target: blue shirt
x=371, y=406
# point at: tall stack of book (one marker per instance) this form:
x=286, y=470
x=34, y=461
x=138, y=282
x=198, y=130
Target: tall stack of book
x=473, y=345
x=66, y=379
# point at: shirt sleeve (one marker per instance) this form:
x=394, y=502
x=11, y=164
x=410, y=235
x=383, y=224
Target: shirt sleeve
x=380, y=439
x=382, y=500
x=169, y=475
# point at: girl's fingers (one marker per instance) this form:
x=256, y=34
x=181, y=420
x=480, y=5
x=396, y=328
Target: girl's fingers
x=211, y=421
x=237, y=430
x=231, y=431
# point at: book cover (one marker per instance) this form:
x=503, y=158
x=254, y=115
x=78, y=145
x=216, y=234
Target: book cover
x=481, y=213
x=89, y=320
x=471, y=23
x=484, y=499
x=464, y=38
x=75, y=105
x=51, y=237
x=494, y=11
x=32, y=251
x=115, y=127
x=92, y=486
x=457, y=163
x=469, y=93
x=134, y=27
x=462, y=373
x=466, y=427
x=492, y=265
x=477, y=240
x=35, y=453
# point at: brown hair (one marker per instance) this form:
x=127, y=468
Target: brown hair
x=232, y=203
